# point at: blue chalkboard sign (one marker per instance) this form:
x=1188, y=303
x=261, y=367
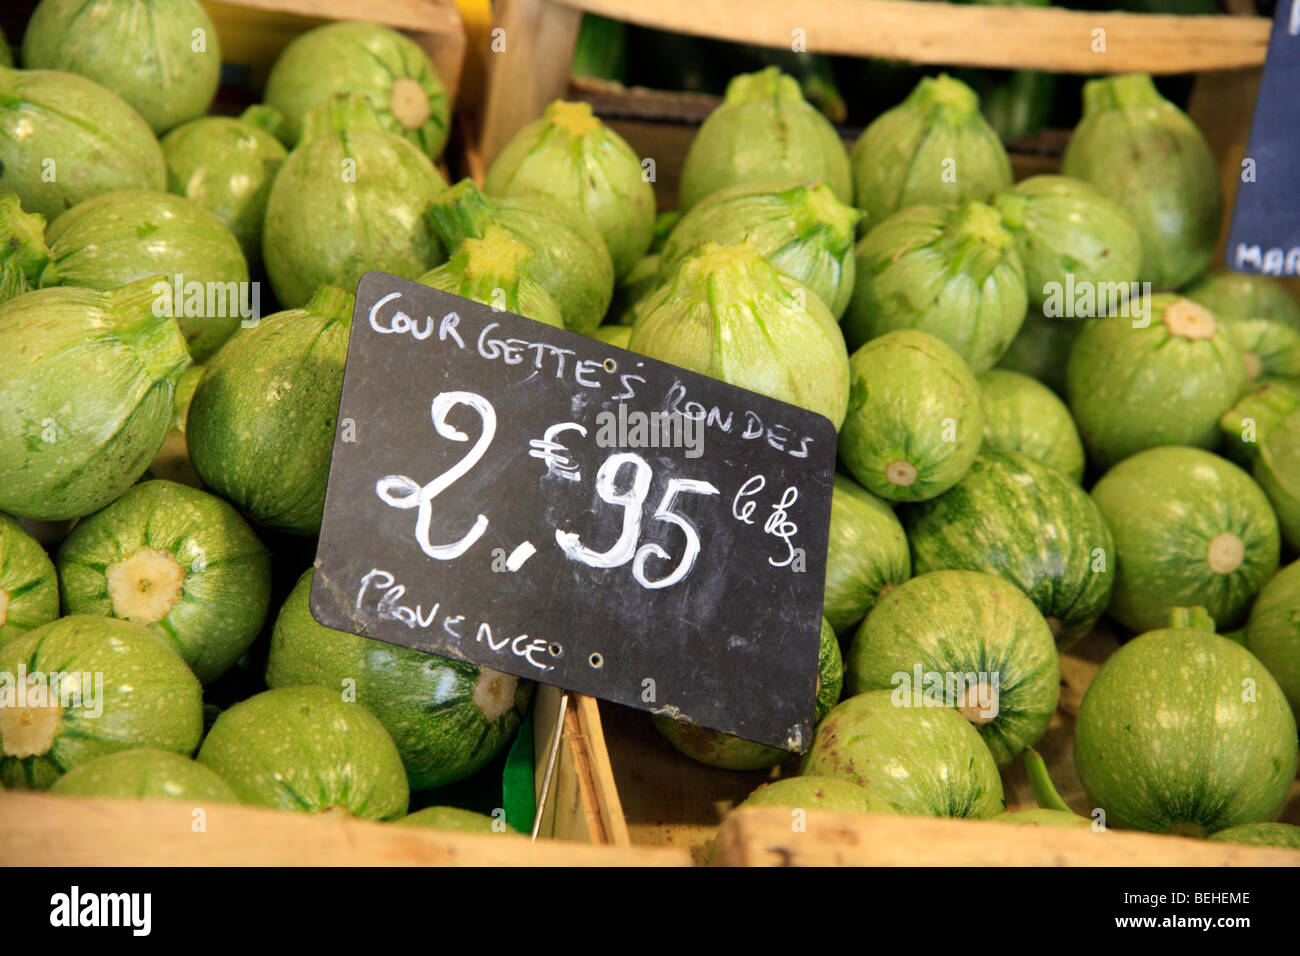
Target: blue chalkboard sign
x=541, y=503
x=1265, y=234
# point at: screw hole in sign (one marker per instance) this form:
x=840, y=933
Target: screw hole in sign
x=596, y=661
x=610, y=366
x=555, y=650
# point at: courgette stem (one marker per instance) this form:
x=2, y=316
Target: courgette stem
x=460, y=212
x=331, y=302
x=1040, y=782
x=340, y=113
x=26, y=262
x=266, y=118
x=1197, y=617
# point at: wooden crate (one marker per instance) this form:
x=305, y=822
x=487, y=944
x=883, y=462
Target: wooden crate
x=1226, y=52
x=42, y=830
x=253, y=32
x=539, y=38
x=581, y=806
x=672, y=801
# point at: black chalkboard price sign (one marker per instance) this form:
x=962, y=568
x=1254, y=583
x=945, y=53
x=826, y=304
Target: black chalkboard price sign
x=1265, y=233
x=544, y=504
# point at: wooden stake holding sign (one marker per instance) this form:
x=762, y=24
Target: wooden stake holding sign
x=541, y=503
x=1265, y=234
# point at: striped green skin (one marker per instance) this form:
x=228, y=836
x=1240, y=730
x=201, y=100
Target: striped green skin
x=818, y=793
x=448, y=718
x=1277, y=469
x=867, y=553
x=1243, y=295
x=87, y=136
x=923, y=761
x=1067, y=227
x=801, y=228
x=123, y=236
x=145, y=774
x=911, y=399
x=304, y=750
x=717, y=749
x=569, y=156
x=1270, y=347
x=267, y=449
x=726, y=312
x=1041, y=349
x=1146, y=155
x=85, y=398
x=144, y=51
x=227, y=584
x=226, y=165
x=451, y=818
x=1025, y=416
x=1273, y=631
x=1168, y=740
x=1029, y=524
x=364, y=58
x=764, y=129
x=1165, y=506
x=350, y=199
x=1285, y=835
x=951, y=271
x=963, y=622
x=900, y=159
x=149, y=698
x=569, y=257
x=1135, y=388
x=1037, y=817
x=29, y=586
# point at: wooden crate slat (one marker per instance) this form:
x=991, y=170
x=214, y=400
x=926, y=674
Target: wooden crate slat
x=765, y=837
x=422, y=15
x=1050, y=39
x=588, y=740
x=44, y=830
x=531, y=70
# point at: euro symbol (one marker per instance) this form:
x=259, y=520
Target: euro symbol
x=553, y=452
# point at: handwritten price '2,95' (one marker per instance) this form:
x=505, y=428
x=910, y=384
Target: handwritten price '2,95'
x=400, y=491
